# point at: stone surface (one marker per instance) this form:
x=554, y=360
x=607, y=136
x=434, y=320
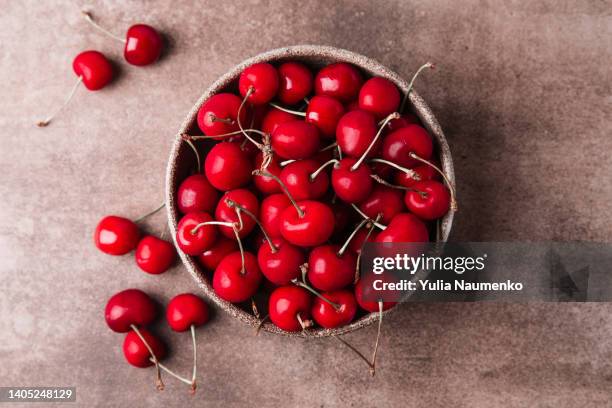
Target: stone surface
x=522, y=92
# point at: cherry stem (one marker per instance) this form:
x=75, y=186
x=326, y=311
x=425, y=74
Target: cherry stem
x=368, y=234
x=451, y=187
x=254, y=308
x=102, y=29
x=286, y=162
x=44, y=123
x=382, y=181
x=237, y=132
x=172, y=373
x=160, y=383
x=150, y=213
x=203, y=224
x=411, y=173
x=306, y=286
x=293, y=112
x=214, y=118
x=329, y=147
x=411, y=84
x=323, y=166
x=389, y=118
x=342, y=250
x=249, y=92
x=239, y=208
x=284, y=187
x=197, y=154
x=260, y=325
x=195, y=359
x=304, y=323
x=375, y=222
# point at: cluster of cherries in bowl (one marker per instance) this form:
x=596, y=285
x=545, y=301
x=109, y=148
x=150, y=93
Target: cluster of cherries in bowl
x=303, y=169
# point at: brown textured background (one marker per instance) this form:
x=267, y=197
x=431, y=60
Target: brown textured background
x=522, y=92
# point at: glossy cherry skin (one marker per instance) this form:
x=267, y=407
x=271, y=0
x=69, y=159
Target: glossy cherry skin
x=129, y=307
x=404, y=227
x=196, y=194
x=295, y=140
x=204, y=237
x=359, y=239
x=95, y=69
x=116, y=235
x=263, y=78
x=286, y=303
x=295, y=82
x=327, y=271
x=275, y=117
x=355, y=132
x=186, y=310
x=135, y=351
x=155, y=255
x=379, y=96
x=351, y=186
x=268, y=185
x=227, y=166
x=281, y=266
x=314, y=228
x=296, y=177
x=270, y=213
x=401, y=122
x=324, y=112
x=383, y=200
x=366, y=295
x=425, y=172
x=431, y=205
x=211, y=258
x=340, y=80
x=229, y=282
x=398, y=145
x=226, y=213
x=143, y=45
x=329, y=317
x=219, y=115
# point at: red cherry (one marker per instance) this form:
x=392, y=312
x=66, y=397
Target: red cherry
x=383, y=200
x=268, y=185
x=328, y=316
x=229, y=281
x=227, y=166
x=143, y=45
x=136, y=352
x=360, y=239
x=324, y=112
x=282, y=265
x=327, y=270
x=379, y=96
x=275, y=117
x=286, y=303
x=226, y=213
x=311, y=228
x=154, y=255
x=366, y=295
x=296, y=177
x=219, y=115
x=129, y=307
x=94, y=68
x=262, y=78
x=186, y=310
x=355, y=132
x=116, y=235
x=404, y=227
x=351, y=186
x=295, y=82
x=270, y=213
x=295, y=140
x=211, y=257
x=340, y=80
x=429, y=200
x=401, y=122
x=424, y=171
x=196, y=194
x=398, y=145
x=204, y=237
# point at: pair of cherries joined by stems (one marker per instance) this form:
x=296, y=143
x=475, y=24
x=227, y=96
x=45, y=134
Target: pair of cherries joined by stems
x=142, y=46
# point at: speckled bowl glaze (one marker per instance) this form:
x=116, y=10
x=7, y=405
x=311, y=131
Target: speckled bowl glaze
x=182, y=160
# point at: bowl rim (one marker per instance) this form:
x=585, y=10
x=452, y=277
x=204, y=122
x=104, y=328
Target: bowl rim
x=298, y=52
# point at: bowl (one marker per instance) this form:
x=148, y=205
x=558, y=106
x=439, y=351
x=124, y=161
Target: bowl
x=182, y=161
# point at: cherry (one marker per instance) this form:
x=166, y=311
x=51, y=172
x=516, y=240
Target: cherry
x=355, y=132
x=236, y=281
x=330, y=317
x=289, y=308
x=127, y=308
x=116, y=235
x=155, y=255
x=295, y=140
x=404, y=227
x=429, y=200
x=227, y=166
x=423, y=172
x=297, y=177
x=383, y=200
x=136, y=351
x=324, y=112
x=340, y=80
x=219, y=115
x=329, y=269
x=196, y=194
x=186, y=310
x=259, y=83
x=352, y=186
x=295, y=82
x=275, y=117
x=195, y=233
x=267, y=185
x=312, y=225
x=403, y=121
x=143, y=45
x=398, y=145
x=365, y=293
x=226, y=211
x=379, y=96
x=270, y=213
x=280, y=264
x=211, y=257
